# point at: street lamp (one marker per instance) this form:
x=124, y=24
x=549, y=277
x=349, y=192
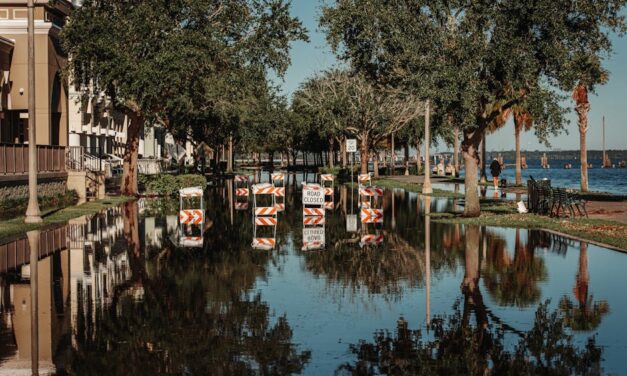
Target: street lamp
x=33, y=215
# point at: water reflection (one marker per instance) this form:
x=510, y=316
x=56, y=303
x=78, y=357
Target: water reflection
x=119, y=295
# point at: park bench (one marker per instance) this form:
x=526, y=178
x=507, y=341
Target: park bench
x=544, y=199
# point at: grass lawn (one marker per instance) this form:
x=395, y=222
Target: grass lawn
x=598, y=230
x=412, y=187
x=16, y=226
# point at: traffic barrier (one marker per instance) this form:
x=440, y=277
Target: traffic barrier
x=263, y=243
x=241, y=192
x=279, y=206
x=329, y=205
x=241, y=178
x=191, y=192
x=191, y=216
x=328, y=191
x=371, y=239
x=265, y=210
x=370, y=191
x=279, y=192
x=364, y=178
x=241, y=205
x=315, y=220
x=313, y=211
x=278, y=176
x=366, y=204
x=310, y=246
x=263, y=189
x=327, y=177
x=265, y=221
x=371, y=215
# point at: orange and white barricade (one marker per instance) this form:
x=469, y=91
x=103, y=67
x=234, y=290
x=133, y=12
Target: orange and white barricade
x=242, y=191
x=327, y=182
x=364, y=179
x=264, y=216
x=278, y=180
x=371, y=215
x=191, y=217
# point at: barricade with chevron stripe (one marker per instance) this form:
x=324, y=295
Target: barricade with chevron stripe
x=277, y=176
x=328, y=191
x=241, y=178
x=279, y=191
x=327, y=177
x=364, y=178
x=242, y=192
x=265, y=221
x=191, y=216
x=263, y=189
x=314, y=220
x=370, y=239
x=263, y=243
x=313, y=211
x=371, y=215
x=279, y=206
x=329, y=205
x=370, y=191
x=266, y=211
x=241, y=205
x=311, y=246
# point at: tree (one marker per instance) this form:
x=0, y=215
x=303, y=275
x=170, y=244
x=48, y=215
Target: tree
x=370, y=112
x=469, y=55
x=158, y=58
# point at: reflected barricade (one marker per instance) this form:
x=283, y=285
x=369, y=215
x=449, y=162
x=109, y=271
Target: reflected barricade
x=264, y=216
x=371, y=215
x=327, y=182
x=242, y=191
x=278, y=180
x=191, y=220
x=314, y=216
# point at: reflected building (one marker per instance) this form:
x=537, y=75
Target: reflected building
x=80, y=265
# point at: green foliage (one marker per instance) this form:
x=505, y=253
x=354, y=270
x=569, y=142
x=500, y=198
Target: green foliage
x=168, y=185
x=12, y=207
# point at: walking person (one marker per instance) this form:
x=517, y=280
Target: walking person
x=495, y=169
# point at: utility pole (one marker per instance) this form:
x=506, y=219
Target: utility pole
x=33, y=215
x=33, y=243
x=426, y=185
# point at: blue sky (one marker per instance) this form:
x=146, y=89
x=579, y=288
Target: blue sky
x=610, y=100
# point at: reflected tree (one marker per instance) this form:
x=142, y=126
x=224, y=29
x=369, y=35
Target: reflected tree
x=587, y=313
x=513, y=282
x=458, y=347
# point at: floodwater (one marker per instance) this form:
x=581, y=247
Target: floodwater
x=130, y=291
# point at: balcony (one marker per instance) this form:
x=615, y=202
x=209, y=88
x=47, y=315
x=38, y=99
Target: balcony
x=14, y=161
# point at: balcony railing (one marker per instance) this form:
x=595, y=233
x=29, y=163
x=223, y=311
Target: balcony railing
x=14, y=159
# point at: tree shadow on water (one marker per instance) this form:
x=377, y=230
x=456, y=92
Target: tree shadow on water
x=460, y=348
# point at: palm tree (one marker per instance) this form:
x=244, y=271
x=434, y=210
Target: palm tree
x=589, y=313
x=582, y=106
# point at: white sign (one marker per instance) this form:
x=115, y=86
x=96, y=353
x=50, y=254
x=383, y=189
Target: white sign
x=313, y=234
x=351, y=145
x=313, y=197
x=351, y=223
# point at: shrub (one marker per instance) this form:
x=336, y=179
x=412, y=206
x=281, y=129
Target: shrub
x=168, y=185
x=10, y=208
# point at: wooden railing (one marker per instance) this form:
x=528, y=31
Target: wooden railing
x=14, y=159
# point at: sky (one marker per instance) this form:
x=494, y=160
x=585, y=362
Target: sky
x=610, y=100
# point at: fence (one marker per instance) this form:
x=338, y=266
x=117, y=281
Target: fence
x=14, y=159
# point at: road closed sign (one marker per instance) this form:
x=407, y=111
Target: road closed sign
x=313, y=196
x=351, y=145
x=313, y=234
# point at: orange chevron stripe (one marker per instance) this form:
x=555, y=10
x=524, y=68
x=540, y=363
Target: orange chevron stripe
x=265, y=221
x=313, y=211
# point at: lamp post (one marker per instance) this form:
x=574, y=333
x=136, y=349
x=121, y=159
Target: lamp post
x=426, y=185
x=33, y=215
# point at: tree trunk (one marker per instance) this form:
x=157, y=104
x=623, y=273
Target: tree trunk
x=229, y=163
x=406, y=158
x=426, y=185
x=271, y=158
x=393, y=155
x=375, y=164
x=418, y=163
x=343, y=152
x=456, y=150
x=129, y=175
x=363, y=153
x=331, y=156
x=469, y=153
x=582, y=113
x=517, y=130
x=484, y=177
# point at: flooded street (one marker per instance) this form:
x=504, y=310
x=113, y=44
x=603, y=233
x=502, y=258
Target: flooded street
x=131, y=291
